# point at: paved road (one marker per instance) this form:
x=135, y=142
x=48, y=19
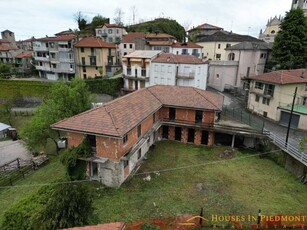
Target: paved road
x=10, y=150
x=238, y=103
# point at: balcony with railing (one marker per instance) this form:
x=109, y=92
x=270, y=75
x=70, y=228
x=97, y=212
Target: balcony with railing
x=40, y=58
x=43, y=68
x=64, y=49
x=190, y=75
x=69, y=60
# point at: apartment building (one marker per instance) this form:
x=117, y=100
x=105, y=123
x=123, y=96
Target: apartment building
x=111, y=33
x=242, y=60
x=8, y=54
x=121, y=131
x=136, y=69
x=180, y=70
x=96, y=58
x=54, y=57
x=271, y=96
x=26, y=45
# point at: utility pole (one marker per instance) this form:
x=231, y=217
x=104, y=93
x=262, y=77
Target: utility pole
x=290, y=118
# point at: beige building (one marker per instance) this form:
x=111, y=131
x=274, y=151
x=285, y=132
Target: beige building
x=110, y=33
x=214, y=45
x=242, y=60
x=10, y=37
x=300, y=4
x=95, y=58
x=136, y=69
x=271, y=30
x=271, y=96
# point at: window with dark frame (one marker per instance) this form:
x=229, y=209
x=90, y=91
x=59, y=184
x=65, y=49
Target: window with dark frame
x=125, y=138
x=257, y=98
x=154, y=118
x=259, y=85
x=126, y=163
x=139, y=131
x=139, y=154
x=82, y=50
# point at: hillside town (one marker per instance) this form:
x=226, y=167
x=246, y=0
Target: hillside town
x=113, y=126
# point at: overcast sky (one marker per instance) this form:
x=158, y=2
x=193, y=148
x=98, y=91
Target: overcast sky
x=38, y=18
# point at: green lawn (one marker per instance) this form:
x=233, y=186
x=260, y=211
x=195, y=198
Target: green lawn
x=239, y=186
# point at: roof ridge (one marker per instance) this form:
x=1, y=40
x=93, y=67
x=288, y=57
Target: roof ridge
x=111, y=116
x=153, y=93
x=203, y=96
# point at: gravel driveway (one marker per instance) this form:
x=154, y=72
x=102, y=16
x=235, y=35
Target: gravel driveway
x=10, y=150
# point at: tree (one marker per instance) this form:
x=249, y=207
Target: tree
x=64, y=101
x=80, y=19
x=6, y=69
x=290, y=45
x=69, y=205
x=99, y=20
x=119, y=14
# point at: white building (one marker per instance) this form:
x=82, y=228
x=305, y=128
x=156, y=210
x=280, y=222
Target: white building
x=187, y=48
x=180, y=70
x=54, y=57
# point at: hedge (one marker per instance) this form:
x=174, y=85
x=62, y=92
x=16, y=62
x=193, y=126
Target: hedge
x=9, y=88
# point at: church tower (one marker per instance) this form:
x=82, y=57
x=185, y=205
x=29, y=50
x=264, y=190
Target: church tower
x=272, y=27
x=300, y=4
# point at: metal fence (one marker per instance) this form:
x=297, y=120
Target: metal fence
x=244, y=117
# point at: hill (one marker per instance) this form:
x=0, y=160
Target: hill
x=161, y=25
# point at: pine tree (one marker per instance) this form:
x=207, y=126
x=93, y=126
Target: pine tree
x=290, y=46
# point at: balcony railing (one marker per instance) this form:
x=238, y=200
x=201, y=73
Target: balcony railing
x=186, y=75
x=40, y=48
x=41, y=58
x=64, y=49
x=188, y=123
x=44, y=68
x=66, y=60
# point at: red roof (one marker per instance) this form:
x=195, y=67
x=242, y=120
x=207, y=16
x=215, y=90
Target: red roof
x=172, y=58
x=4, y=41
x=130, y=38
x=5, y=48
x=186, y=45
x=109, y=226
x=110, y=26
x=283, y=77
x=59, y=38
x=94, y=42
x=158, y=35
x=24, y=54
x=118, y=117
x=207, y=26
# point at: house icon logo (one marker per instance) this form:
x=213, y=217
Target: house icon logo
x=194, y=221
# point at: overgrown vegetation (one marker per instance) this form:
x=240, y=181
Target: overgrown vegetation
x=64, y=101
x=6, y=69
x=75, y=168
x=110, y=86
x=161, y=25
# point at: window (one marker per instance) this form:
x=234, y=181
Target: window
x=84, y=69
x=139, y=154
x=117, y=31
x=306, y=87
x=130, y=46
x=266, y=101
x=198, y=116
x=82, y=50
x=219, y=46
x=231, y=57
x=125, y=138
x=148, y=141
x=92, y=51
x=51, y=44
x=54, y=66
x=217, y=76
x=52, y=55
x=169, y=69
x=153, y=118
x=84, y=75
x=156, y=68
x=83, y=60
x=110, y=31
x=110, y=39
x=125, y=53
x=126, y=163
x=125, y=46
x=218, y=56
x=257, y=98
x=263, y=55
x=259, y=85
x=228, y=45
x=273, y=32
x=99, y=31
x=184, y=51
x=305, y=100
x=269, y=89
x=162, y=68
x=265, y=114
x=92, y=60
x=139, y=131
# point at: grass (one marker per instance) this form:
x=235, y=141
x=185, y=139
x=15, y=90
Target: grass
x=239, y=186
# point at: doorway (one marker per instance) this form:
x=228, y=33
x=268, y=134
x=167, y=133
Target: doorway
x=165, y=132
x=178, y=133
x=191, y=135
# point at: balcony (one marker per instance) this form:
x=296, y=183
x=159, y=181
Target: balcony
x=67, y=70
x=190, y=75
x=66, y=60
x=43, y=68
x=196, y=54
x=195, y=124
x=41, y=58
x=40, y=48
x=64, y=49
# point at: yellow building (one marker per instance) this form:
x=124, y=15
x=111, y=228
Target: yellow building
x=95, y=58
x=271, y=30
x=271, y=95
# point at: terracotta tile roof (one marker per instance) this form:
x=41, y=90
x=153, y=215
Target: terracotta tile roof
x=59, y=38
x=94, y=42
x=143, y=54
x=160, y=43
x=121, y=115
x=5, y=48
x=186, y=45
x=4, y=41
x=109, y=226
x=158, y=35
x=24, y=54
x=130, y=37
x=110, y=26
x=206, y=26
x=283, y=77
x=172, y=58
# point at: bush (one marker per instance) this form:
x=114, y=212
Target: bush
x=110, y=86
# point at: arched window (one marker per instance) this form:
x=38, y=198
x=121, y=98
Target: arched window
x=231, y=57
x=273, y=32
